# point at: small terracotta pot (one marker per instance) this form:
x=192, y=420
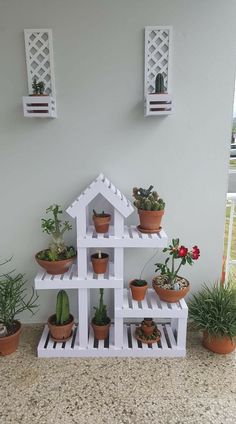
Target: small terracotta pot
x=55, y=267
x=147, y=329
x=102, y=223
x=170, y=296
x=60, y=332
x=150, y=220
x=101, y=331
x=100, y=264
x=222, y=345
x=138, y=292
x=9, y=344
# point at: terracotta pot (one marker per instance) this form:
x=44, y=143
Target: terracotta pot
x=138, y=292
x=102, y=223
x=60, y=332
x=221, y=344
x=170, y=296
x=55, y=267
x=150, y=220
x=9, y=344
x=100, y=264
x=101, y=331
x=147, y=329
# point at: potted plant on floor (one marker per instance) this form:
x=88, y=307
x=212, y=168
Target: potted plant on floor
x=169, y=285
x=138, y=289
x=61, y=323
x=101, y=221
x=150, y=209
x=58, y=257
x=213, y=311
x=100, y=262
x=13, y=301
x=101, y=322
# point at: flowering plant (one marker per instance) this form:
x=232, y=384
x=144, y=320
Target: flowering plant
x=177, y=252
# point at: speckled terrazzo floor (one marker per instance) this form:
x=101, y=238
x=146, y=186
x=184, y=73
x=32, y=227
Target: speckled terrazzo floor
x=198, y=389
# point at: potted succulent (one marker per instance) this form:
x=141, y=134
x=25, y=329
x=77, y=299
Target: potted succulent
x=100, y=262
x=150, y=209
x=101, y=221
x=147, y=332
x=213, y=311
x=159, y=84
x=13, y=301
x=38, y=88
x=169, y=285
x=58, y=257
x=148, y=326
x=101, y=322
x=138, y=289
x=61, y=323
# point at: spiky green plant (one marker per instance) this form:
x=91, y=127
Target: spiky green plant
x=62, y=308
x=38, y=87
x=148, y=199
x=100, y=316
x=159, y=84
x=213, y=309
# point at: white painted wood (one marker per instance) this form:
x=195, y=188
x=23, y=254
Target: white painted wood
x=181, y=333
x=81, y=224
x=118, y=224
x=32, y=107
x=83, y=317
x=118, y=263
x=118, y=328
x=171, y=336
x=163, y=338
x=82, y=262
x=231, y=201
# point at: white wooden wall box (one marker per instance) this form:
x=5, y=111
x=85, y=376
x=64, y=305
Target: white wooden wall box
x=40, y=66
x=158, y=57
x=121, y=341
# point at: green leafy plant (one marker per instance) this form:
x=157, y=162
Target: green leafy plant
x=159, y=84
x=139, y=283
x=179, y=253
x=100, y=316
x=148, y=199
x=38, y=87
x=62, y=308
x=13, y=298
x=56, y=228
x=213, y=309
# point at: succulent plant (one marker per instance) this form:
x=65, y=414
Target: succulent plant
x=38, y=87
x=159, y=84
x=62, y=308
x=100, y=316
x=148, y=199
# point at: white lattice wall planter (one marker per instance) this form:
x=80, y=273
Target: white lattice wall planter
x=40, y=66
x=158, y=52
x=121, y=340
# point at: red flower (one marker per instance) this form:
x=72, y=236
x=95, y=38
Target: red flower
x=195, y=252
x=182, y=251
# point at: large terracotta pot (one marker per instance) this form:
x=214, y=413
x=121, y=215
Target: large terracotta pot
x=60, y=333
x=102, y=223
x=9, y=344
x=221, y=345
x=138, y=292
x=150, y=221
x=100, y=264
x=55, y=267
x=170, y=296
x=101, y=331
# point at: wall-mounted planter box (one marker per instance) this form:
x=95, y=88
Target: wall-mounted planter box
x=158, y=51
x=39, y=107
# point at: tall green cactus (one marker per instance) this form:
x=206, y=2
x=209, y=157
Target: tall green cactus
x=147, y=200
x=159, y=84
x=62, y=308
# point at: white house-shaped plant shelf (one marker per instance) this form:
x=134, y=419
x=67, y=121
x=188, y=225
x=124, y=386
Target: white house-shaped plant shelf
x=121, y=340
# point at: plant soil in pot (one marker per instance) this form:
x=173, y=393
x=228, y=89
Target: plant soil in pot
x=10, y=342
x=60, y=324
x=101, y=221
x=221, y=344
x=165, y=291
x=56, y=267
x=138, y=289
x=101, y=322
x=150, y=209
x=100, y=262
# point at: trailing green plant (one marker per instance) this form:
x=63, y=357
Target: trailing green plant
x=56, y=229
x=213, y=309
x=100, y=316
x=38, y=87
x=62, y=308
x=159, y=84
x=14, y=298
x=148, y=199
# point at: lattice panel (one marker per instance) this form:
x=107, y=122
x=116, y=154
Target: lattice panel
x=157, y=56
x=39, y=58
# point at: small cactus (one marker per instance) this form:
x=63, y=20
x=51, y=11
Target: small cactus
x=62, y=308
x=147, y=200
x=159, y=84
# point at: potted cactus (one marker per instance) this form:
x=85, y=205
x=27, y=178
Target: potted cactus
x=61, y=323
x=100, y=262
x=150, y=209
x=13, y=301
x=101, y=221
x=138, y=289
x=159, y=84
x=58, y=257
x=169, y=285
x=101, y=322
